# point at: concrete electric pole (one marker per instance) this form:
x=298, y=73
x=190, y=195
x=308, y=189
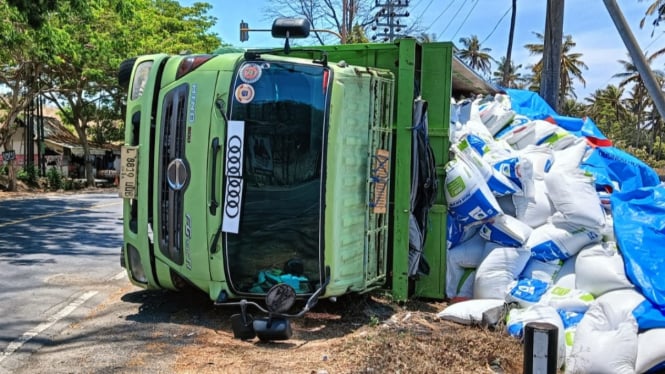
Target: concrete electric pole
x=550, y=79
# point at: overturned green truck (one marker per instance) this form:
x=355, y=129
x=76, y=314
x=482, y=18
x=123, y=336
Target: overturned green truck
x=289, y=173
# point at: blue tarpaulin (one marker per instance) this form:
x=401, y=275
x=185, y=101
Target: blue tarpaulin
x=637, y=202
x=639, y=226
x=619, y=170
x=530, y=104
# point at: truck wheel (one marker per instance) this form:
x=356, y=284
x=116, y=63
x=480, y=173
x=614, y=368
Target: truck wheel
x=125, y=72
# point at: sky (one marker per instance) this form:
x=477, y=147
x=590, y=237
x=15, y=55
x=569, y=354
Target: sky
x=588, y=21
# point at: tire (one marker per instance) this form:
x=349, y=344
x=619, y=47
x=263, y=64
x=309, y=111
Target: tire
x=125, y=72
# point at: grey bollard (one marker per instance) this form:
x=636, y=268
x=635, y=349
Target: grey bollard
x=541, y=346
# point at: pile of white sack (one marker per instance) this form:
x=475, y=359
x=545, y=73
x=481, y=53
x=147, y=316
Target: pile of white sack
x=528, y=227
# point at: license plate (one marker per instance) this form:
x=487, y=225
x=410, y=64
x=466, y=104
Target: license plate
x=128, y=171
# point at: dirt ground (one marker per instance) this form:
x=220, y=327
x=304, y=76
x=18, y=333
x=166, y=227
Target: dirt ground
x=359, y=334
x=356, y=334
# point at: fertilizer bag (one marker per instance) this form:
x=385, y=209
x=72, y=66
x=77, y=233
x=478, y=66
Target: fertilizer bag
x=469, y=199
x=500, y=267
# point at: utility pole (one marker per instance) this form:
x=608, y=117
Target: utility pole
x=637, y=56
x=508, y=62
x=550, y=79
x=390, y=11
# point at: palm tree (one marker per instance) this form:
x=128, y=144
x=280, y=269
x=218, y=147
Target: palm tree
x=570, y=107
x=608, y=107
x=657, y=9
x=426, y=38
x=475, y=55
x=632, y=76
x=571, y=65
x=507, y=75
x=641, y=100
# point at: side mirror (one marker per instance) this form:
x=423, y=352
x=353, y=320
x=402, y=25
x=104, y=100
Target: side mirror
x=280, y=298
x=296, y=28
x=290, y=28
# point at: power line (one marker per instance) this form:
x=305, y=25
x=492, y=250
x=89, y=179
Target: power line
x=451, y=20
x=425, y=10
x=441, y=14
x=653, y=41
x=465, y=19
x=497, y=25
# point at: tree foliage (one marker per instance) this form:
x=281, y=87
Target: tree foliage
x=475, y=55
x=69, y=51
x=571, y=66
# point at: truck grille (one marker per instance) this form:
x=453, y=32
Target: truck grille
x=172, y=142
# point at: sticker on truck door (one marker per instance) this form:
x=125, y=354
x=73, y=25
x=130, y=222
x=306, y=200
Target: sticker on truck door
x=235, y=138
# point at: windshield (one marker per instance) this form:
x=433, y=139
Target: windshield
x=279, y=238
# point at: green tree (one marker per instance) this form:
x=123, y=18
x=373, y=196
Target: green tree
x=92, y=43
x=508, y=75
x=357, y=35
x=608, y=109
x=641, y=102
x=573, y=108
x=571, y=66
x=475, y=55
x=22, y=59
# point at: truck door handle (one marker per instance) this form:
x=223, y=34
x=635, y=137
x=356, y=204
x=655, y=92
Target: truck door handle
x=213, y=199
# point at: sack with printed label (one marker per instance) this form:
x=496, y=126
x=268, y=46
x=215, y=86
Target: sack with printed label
x=469, y=199
x=559, y=242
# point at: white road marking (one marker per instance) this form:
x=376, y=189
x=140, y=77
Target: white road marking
x=120, y=275
x=64, y=312
x=58, y=213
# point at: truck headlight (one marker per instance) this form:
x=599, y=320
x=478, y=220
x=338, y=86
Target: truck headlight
x=140, y=79
x=135, y=265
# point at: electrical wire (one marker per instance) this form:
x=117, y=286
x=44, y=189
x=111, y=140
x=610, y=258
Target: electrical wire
x=441, y=14
x=425, y=10
x=465, y=19
x=653, y=41
x=451, y=20
x=497, y=25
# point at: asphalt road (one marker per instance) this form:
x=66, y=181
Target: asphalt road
x=59, y=259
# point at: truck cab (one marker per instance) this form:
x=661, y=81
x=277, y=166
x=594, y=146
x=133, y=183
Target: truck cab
x=242, y=170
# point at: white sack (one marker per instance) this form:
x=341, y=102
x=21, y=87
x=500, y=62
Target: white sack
x=466, y=255
x=571, y=157
x=566, y=299
x=542, y=270
x=561, y=139
x=526, y=292
x=542, y=158
x=469, y=312
x=566, y=275
x=498, y=183
x=534, y=132
x=500, y=267
x=650, y=349
x=469, y=198
x=534, y=211
x=559, y=241
x=600, y=269
x=619, y=305
x=573, y=194
x=494, y=116
x=598, y=348
x=519, y=318
x=506, y=230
